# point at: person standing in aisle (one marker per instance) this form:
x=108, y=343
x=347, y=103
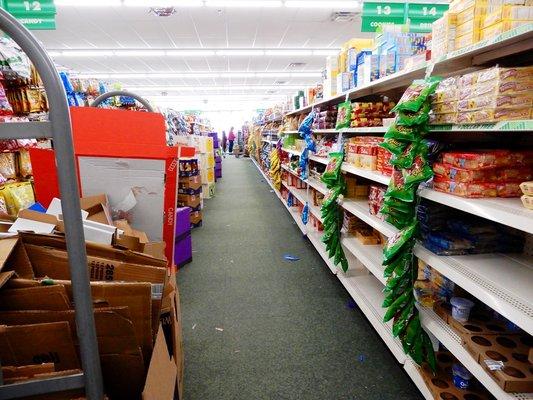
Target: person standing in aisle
x=224, y=143
x=231, y=139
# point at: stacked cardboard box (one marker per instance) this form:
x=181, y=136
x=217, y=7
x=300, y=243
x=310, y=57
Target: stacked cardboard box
x=136, y=310
x=190, y=189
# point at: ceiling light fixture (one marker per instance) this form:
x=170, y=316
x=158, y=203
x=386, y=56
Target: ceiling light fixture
x=326, y=52
x=244, y=3
x=207, y=74
x=87, y=53
x=346, y=4
x=190, y=53
x=212, y=88
x=240, y=52
x=164, y=3
x=89, y=3
x=289, y=52
x=140, y=53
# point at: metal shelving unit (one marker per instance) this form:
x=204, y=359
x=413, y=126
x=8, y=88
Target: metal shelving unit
x=59, y=129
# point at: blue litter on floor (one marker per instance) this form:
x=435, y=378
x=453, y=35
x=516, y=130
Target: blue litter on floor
x=351, y=304
x=362, y=358
x=289, y=257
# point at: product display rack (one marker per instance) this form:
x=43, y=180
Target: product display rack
x=59, y=129
x=507, y=291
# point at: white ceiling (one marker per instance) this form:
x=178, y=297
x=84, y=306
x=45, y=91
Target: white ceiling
x=196, y=28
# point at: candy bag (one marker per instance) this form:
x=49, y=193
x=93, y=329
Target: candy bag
x=398, y=205
x=398, y=265
x=419, y=172
x=344, y=115
x=396, y=243
x=406, y=158
x=332, y=173
x=412, y=118
x=399, y=189
x=8, y=168
x=417, y=94
x=403, y=133
x=393, y=146
x=305, y=213
x=305, y=127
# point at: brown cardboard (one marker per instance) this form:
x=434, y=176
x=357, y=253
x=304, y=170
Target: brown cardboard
x=53, y=263
x=6, y=276
x=517, y=372
x=189, y=200
x=13, y=374
x=196, y=217
x=98, y=208
x=94, y=249
x=137, y=296
x=13, y=257
x=162, y=374
x=190, y=182
x=53, y=298
x=135, y=240
x=122, y=362
x=38, y=343
x=155, y=249
x=441, y=384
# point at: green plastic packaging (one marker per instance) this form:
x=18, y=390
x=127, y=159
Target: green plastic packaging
x=397, y=242
x=344, y=115
x=403, y=133
x=419, y=172
x=398, y=189
x=333, y=170
x=393, y=146
x=416, y=94
x=399, y=264
x=412, y=118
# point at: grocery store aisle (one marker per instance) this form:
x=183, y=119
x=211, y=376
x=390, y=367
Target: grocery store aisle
x=259, y=327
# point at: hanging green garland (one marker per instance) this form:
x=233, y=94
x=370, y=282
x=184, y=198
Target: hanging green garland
x=332, y=215
x=404, y=140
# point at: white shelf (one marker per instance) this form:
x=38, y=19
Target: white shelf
x=367, y=292
x=290, y=132
x=318, y=185
x=368, y=129
x=371, y=256
x=315, y=238
x=293, y=152
x=359, y=208
x=509, y=212
x=503, y=282
x=300, y=194
x=325, y=131
x=365, y=173
x=414, y=373
x=447, y=336
x=490, y=127
x=315, y=210
x=321, y=160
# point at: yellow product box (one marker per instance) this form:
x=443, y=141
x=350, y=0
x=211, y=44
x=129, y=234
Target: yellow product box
x=508, y=12
x=477, y=12
x=493, y=115
x=499, y=28
x=505, y=74
x=495, y=102
x=467, y=40
x=443, y=119
x=444, y=107
x=472, y=26
x=460, y=5
x=343, y=55
x=358, y=44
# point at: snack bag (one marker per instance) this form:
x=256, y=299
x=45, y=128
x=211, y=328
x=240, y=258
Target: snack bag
x=18, y=196
x=419, y=171
x=8, y=166
x=393, y=146
x=333, y=169
x=399, y=189
x=417, y=94
x=412, y=118
x=407, y=157
x=344, y=115
x=396, y=243
x=402, y=133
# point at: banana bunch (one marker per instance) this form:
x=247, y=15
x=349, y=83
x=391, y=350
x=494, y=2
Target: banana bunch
x=275, y=168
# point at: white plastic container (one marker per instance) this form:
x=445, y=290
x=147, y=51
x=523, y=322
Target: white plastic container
x=461, y=308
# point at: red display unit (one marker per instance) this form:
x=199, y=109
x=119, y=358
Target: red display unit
x=124, y=155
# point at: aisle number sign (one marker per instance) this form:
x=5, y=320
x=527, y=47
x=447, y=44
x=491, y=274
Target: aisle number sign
x=33, y=14
x=419, y=16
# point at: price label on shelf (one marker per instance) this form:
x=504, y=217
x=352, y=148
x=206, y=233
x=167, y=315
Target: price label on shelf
x=33, y=14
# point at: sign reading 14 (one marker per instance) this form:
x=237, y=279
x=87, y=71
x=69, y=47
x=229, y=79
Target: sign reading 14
x=429, y=11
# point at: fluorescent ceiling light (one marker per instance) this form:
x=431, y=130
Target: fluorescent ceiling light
x=243, y=3
x=213, y=88
x=239, y=52
x=326, y=52
x=288, y=52
x=190, y=53
x=54, y=53
x=87, y=53
x=89, y=3
x=207, y=74
x=139, y=53
x=346, y=4
x=163, y=3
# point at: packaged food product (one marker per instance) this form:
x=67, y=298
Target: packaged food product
x=24, y=163
x=447, y=171
x=471, y=190
x=4, y=213
x=8, y=169
x=469, y=27
x=416, y=95
x=476, y=12
x=527, y=188
x=492, y=102
x=393, y=146
x=478, y=159
x=527, y=201
x=509, y=189
x=399, y=189
x=499, y=28
x=508, y=12
x=503, y=74
x=411, y=118
x=445, y=107
x=344, y=111
x=461, y=308
x=18, y=196
x=461, y=375
x=419, y=171
x=446, y=91
x=443, y=119
x=402, y=133
x=397, y=242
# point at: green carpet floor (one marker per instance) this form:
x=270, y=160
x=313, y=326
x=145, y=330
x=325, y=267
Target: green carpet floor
x=258, y=327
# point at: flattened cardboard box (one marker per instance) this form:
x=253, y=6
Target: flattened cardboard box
x=26, y=343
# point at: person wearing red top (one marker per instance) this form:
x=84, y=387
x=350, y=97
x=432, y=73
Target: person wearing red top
x=231, y=139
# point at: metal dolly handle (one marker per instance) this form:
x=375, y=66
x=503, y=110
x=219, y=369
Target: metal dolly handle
x=59, y=129
x=100, y=99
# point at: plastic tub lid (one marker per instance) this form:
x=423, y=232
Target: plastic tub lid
x=459, y=369
x=461, y=302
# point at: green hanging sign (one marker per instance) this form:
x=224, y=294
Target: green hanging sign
x=33, y=14
x=419, y=16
